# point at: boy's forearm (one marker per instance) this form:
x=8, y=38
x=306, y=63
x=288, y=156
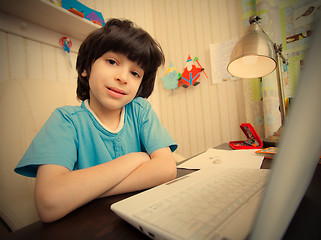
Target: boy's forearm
x=158, y=170
x=59, y=191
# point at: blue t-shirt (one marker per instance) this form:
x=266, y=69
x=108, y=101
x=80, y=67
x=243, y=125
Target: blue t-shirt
x=73, y=138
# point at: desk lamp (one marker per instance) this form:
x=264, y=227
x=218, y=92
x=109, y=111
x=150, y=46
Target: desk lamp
x=254, y=56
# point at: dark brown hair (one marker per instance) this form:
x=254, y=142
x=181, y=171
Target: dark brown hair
x=120, y=36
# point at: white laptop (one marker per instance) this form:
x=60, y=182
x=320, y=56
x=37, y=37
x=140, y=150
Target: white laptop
x=239, y=203
x=216, y=202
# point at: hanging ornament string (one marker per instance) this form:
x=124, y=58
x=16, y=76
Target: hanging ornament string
x=66, y=44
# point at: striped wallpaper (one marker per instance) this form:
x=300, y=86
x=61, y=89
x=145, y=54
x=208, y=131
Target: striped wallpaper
x=197, y=117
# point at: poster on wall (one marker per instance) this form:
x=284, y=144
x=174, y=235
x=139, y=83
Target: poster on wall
x=296, y=21
x=220, y=56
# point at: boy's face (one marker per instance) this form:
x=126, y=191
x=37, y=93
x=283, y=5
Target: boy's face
x=114, y=81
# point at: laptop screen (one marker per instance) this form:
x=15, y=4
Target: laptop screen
x=299, y=150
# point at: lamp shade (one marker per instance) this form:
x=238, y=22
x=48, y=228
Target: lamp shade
x=254, y=55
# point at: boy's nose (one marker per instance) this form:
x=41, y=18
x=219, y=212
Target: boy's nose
x=121, y=77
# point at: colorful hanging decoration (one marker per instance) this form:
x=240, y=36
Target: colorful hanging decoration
x=66, y=44
x=170, y=80
x=191, y=73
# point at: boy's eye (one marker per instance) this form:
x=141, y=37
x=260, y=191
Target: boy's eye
x=111, y=61
x=135, y=74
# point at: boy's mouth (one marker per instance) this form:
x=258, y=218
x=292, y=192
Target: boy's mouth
x=116, y=92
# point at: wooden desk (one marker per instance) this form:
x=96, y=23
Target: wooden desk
x=95, y=220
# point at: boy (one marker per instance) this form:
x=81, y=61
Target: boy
x=111, y=144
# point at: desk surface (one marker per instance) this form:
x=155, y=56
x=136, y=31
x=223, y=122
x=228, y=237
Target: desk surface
x=95, y=220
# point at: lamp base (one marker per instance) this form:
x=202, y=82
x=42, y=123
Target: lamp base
x=272, y=141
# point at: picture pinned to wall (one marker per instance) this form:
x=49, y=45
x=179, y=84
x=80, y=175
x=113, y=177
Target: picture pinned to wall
x=191, y=73
x=220, y=56
x=170, y=80
x=296, y=22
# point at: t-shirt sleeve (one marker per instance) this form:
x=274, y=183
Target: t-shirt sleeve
x=55, y=143
x=153, y=134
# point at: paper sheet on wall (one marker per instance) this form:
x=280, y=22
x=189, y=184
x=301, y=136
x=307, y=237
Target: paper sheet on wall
x=224, y=158
x=220, y=56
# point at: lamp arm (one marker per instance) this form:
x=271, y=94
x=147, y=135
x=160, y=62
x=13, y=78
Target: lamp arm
x=278, y=51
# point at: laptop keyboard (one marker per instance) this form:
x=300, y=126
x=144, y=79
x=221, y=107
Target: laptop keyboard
x=195, y=212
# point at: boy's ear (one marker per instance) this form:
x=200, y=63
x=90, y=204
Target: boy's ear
x=84, y=73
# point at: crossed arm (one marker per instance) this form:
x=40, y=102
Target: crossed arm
x=59, y=191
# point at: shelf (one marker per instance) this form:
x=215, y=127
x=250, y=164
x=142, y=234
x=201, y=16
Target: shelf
x=50, y=16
